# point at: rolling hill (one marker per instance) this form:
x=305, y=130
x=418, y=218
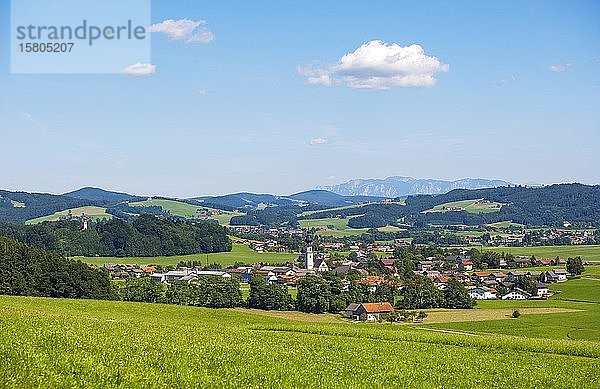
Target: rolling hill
x=97, y=194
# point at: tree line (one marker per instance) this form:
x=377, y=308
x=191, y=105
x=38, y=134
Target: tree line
x=29, y=271
x=146, y=236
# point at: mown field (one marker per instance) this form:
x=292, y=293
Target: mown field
x=239, y=253
x=182, y=209
x=91, y=211
x=587, y=252
x=471, y=206
x=77, y=343
x=582, y=295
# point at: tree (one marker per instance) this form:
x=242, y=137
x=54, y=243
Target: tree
x=142, y=290
x=269, y=296
x=179, y=293
x=527, y=284
x=420, y=292
x=575, y=266
x=217, y=292
x=422, y=315
x=313, y=295
x=456, y=296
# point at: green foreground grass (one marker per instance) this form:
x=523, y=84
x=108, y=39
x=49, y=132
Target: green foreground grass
x=239, y=253
x=77, y=343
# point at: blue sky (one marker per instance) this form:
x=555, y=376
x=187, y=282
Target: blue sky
x=507, y=90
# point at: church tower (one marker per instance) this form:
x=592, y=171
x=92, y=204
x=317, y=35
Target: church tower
x=309, y=259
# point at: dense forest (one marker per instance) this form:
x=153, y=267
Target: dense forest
x=146, y=236
x=29, y=271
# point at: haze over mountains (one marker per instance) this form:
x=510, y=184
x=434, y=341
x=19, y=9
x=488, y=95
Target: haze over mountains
x=397, y=186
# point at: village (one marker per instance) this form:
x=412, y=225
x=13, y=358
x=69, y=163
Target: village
x=511, y=280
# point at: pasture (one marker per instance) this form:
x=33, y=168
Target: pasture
x=580, y=295
x=188, y=211
x=587, y=252
x=471, y=206
x=92, y=212
x=85, y=343
x=239, y=253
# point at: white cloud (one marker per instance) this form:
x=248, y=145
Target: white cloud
x=202, y=92
x=140, y=69
x=378, y=65
x=332, y=178
x=318, y=141
x=560, y=68
x=190, y=31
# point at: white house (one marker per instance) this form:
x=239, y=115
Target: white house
x=482, y=293
x=517, y=294
x=542, y=290
x=321, y=265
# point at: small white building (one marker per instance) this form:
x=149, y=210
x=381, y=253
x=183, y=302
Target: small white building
x=517, y=294
x=482, y=293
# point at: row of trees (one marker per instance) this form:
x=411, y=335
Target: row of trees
x=146, y=236
x=209, y=291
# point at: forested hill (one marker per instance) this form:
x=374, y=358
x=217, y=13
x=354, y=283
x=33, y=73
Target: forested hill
x=29, y=271
x=18, y=207
x=147, y=236
x=546, y=206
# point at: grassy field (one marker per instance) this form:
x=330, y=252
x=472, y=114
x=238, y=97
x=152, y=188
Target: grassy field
x=239, y=253
x=471, y=206
x=91, y=211
x=336, y=223
x=587, y=252
x=77, y=343
x=582, y=295
x=506, y=224
x=307, y=213
x=182, y=209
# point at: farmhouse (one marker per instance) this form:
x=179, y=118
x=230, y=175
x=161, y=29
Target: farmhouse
x=517, y=294
x=482, y=293
x=542, y=290
x=368, y=311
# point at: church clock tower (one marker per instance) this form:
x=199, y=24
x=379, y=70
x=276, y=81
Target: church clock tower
x=309, y=258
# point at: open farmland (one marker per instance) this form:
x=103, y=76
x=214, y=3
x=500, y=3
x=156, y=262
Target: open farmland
x=188, y=211
x=86, y=343
x=471, y=206
x=587, y=252
x=582, y=295
x=333, y=226
x=239, y=253
x=92, y=212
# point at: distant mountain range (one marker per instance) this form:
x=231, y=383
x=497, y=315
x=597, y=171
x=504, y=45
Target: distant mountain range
x=398, y=186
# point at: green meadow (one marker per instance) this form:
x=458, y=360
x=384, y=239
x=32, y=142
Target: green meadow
x=239, y=253
x=587, y=252
x=92, y=212
x=471, y=206
x=182, y=209
x=582, y=296
x=84, y=343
